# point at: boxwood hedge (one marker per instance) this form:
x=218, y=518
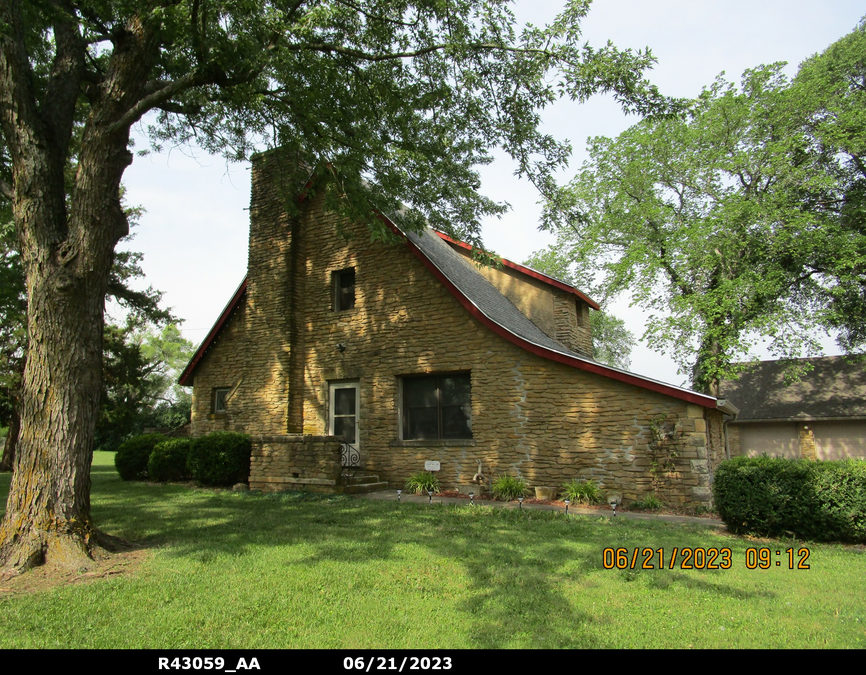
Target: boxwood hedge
x=168, y=461
x=220, y=458
x=770, y=496
x=132, y=456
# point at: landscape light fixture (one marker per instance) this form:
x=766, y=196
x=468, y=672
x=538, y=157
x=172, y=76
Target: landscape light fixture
x=520, y=500
x=567, y=502
x=430, y=494
x=614, y=502
x=471, y=499
x=399, y=492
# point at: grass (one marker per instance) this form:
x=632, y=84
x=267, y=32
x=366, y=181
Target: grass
x=239, y=570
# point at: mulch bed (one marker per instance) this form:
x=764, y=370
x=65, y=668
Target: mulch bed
x=667, y=511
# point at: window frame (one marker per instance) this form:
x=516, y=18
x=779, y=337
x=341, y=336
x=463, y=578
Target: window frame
x=215, y=402
x=403, y=407
x=336, y=288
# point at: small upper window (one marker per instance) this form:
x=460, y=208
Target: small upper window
x=220, y=398
x=344, y=290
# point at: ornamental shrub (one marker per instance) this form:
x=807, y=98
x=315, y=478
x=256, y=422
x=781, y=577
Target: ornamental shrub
x=220, y=458
x=421, y=483
x=771, y=496
x=168, y=461
x=509, y=487
x=132, y=456
x=648, y=503
x=582, y=492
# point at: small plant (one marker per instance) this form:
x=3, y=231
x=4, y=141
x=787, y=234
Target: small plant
x=648, y=503
x=422, y=482
x=509, y=487
x=582, y=492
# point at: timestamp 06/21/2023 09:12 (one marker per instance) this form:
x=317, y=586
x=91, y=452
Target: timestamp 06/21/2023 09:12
x=687, y=558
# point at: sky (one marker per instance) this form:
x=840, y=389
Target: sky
x=194, y=231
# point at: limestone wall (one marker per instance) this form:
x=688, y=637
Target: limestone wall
x=292, y=462
x=544, y=421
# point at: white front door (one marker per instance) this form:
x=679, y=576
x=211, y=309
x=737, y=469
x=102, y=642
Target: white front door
x=344, y=408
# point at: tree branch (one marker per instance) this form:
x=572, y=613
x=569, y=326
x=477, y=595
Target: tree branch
x=375, y=17
x=61, y=93
x=365, y=56
x=152, y=100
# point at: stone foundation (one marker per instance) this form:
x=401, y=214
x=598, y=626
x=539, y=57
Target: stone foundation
x=295, y=463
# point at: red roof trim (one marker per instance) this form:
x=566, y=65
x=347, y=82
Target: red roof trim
x=540, y=276
x=213, y=333
x=589, y=366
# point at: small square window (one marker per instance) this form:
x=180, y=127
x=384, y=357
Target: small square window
x=220, y=398
x=344, y=290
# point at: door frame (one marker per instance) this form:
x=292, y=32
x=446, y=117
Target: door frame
x=345, y=384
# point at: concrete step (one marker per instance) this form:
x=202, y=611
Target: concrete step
x=361, y=479
x=364, y=488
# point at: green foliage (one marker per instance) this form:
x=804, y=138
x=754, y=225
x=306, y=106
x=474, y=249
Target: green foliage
x=742, y=219
x=514, y=570
x=139, y=369
x=509, y=487
x=769, y=496
x=612, y=342
x=220, y=458
x=132, y=457
x=582, y=492
x=648, y=503
x=168, y=460
x=168, y=352
x=422, y=482
x=831, y=84
x=399, y=103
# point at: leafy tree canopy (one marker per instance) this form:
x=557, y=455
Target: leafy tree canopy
x=738, y=222
x=833, y=86
x=398, y=101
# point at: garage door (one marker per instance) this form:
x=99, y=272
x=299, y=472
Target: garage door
x=776, y=440
x=840, y=440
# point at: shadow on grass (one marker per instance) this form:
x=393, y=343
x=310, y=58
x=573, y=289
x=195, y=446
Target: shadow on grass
x=516, y=564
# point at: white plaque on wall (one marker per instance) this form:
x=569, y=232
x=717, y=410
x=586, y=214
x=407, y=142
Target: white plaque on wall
x=431, y=466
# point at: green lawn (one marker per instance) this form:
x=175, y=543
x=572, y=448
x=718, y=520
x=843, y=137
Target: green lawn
x=235, y=570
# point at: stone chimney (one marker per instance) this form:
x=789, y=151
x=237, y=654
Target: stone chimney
x=274, y=350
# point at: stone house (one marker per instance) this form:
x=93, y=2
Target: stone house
x=821, y=416
x=414, y=353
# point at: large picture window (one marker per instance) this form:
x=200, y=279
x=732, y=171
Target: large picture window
x=437, y=407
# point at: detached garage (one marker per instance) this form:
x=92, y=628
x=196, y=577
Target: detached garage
x=823, y=416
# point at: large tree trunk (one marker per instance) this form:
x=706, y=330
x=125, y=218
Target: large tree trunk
x=48, y=512
x=67, y=250
x=6, y=462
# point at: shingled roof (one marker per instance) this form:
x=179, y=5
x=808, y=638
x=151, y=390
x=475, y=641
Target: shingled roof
x=487, y=305
x=483, y=294
x=835, y=388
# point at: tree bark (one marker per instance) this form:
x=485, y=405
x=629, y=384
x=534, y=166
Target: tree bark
x=67, y=255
